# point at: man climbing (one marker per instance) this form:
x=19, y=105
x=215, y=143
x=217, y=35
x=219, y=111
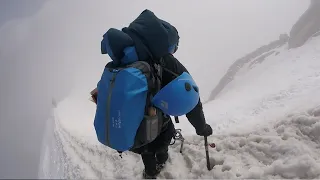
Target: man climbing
x=152, y=37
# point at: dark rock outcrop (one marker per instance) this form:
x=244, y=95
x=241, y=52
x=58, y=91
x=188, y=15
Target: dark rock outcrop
x=308, y=25
x=257, y=56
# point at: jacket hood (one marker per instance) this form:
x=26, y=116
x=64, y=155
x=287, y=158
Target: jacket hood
x=149, y=35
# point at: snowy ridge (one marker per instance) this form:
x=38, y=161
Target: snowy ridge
x=249, y=61
x=266, y=125
x=287, y=149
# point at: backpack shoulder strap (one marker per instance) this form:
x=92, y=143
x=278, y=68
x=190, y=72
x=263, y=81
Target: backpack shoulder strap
x=162, y=64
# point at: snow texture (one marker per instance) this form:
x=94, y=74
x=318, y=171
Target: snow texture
x=266, y=124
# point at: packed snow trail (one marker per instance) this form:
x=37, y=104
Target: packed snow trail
x=287, y=149
x=266, y=125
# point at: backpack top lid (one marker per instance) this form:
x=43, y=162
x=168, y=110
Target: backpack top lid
x=146, y=34
x=119, y=46
x=178, y=97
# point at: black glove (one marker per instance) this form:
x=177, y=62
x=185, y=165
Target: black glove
x=206, y=131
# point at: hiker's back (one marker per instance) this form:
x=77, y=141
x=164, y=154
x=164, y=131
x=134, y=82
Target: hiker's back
x=134, y=101
x=130, y=83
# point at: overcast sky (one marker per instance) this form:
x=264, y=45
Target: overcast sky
x=51, y=50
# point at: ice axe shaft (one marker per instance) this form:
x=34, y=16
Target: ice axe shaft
x=209, y=165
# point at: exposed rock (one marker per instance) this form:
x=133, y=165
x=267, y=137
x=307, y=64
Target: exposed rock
x=307, y=25
x=257, y=56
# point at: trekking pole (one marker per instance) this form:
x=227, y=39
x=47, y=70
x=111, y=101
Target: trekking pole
x=210, y=165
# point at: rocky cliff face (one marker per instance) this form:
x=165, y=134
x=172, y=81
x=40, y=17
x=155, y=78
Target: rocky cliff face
x=307, y=26
x=257, y=56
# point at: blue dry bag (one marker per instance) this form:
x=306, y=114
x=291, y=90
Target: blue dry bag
x=121, y=102
x=124, y=95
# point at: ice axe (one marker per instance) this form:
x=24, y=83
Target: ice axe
x=210, y=162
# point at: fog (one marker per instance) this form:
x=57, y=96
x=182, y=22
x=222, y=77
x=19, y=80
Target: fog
x=56, y=51
x=10, y=9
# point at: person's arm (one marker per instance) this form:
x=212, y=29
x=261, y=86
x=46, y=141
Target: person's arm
x=196, y=116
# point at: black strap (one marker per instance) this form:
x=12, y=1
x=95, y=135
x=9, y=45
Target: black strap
x=120, y=153
x=176, y=118
x=153, y=63
x=175, y=74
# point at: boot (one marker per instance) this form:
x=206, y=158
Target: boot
x=153, y=175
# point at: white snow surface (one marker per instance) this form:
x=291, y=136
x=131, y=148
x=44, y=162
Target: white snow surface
x=266, y=125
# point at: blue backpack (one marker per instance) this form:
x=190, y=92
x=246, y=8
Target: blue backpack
x=122, y=102
x=125, y=91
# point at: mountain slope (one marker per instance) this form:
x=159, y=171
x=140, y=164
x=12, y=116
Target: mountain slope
x=266, y=124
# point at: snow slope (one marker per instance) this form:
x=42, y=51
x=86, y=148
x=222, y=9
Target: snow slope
x=266, y=125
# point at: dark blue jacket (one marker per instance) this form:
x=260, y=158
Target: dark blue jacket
x=149, y=31
x=151, y=37
x=145, y=31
